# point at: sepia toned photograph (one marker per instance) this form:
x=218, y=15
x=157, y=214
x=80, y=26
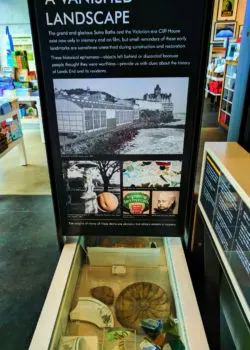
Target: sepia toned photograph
x=165, y=203
x=121, y=116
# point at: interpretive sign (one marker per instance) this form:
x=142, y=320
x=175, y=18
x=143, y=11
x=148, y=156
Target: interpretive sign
x=226, y=210
x=121, y=80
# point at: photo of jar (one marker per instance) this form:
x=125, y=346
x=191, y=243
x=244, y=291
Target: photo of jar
x=136, y=202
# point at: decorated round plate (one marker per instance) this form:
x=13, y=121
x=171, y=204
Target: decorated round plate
x=140, y=301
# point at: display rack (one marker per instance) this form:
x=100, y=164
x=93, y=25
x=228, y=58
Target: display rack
x=36, y=99
x=227, y=94
x=210, y=92
x=38, y=120
x=217, y=49
x=19, y=142
x=23, y=42
x=210, y=78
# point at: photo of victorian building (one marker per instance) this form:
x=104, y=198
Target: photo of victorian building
x=90, y=111
x=92, y=121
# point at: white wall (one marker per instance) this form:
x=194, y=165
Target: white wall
x=14, y=13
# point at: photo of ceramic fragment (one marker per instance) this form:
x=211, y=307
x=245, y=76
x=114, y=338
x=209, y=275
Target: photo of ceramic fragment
x=140, y=301
x=152, y=174
x=93, y=311
x=107, y=202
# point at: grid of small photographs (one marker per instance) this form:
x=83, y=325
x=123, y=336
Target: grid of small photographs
x=151, y=187
x=122, y=189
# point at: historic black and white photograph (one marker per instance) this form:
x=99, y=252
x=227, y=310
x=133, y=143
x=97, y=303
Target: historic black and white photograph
x=121, y=116
x=92, y=187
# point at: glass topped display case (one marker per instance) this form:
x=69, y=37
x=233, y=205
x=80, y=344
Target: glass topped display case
x=121, y=293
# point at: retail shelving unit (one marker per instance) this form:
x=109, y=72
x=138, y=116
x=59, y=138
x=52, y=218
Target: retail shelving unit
x=38, y=120
x=17, y=143
x=36, y=99
x=209, y=79
x=227, y=94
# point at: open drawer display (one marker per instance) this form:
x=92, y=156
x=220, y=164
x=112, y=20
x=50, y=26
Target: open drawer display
x=121, y=293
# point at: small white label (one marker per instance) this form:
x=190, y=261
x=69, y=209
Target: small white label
x=118, y=270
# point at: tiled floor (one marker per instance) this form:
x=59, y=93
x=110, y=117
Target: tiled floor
x=30, y=179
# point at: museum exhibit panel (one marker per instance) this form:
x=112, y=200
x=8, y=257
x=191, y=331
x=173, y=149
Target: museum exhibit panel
x=224, y=221
x=121, y=99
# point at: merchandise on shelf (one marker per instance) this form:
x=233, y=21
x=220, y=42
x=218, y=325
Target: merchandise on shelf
x=22, y=110
x=5, y=107
x=5, y=129
x=11, y=127
x=14, y=103
x=8, y=47
x=216, y=68
x=15, y=129
x=3, y=142
x=7, y=72
x=20, y=60
x=31, y=112
x=23, y=92
x=22, y=75
x=215, y=87
x=18, y=81
x=6, y=86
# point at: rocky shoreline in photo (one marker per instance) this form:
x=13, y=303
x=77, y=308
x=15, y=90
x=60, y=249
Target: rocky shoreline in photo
x=111, y=141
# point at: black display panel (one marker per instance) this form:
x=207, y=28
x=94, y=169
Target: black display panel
x=210, y=187
x=121, y=84
x=226, y=212
x=229, y=217
x=240, y=255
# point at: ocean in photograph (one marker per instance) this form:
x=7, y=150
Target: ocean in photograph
x=179, y=120
x=156, y=141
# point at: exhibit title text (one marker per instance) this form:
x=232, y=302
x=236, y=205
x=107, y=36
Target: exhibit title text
x=97, y=17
